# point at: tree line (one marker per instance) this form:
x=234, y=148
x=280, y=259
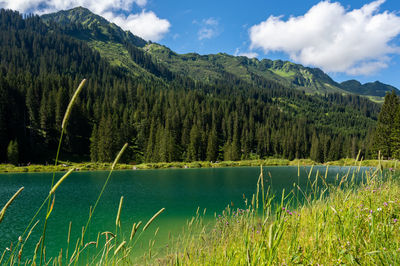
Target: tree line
x=165, y=118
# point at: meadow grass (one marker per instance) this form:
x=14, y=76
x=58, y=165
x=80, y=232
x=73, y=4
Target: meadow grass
x=353, y=221
x=97, y=166
x=344, y=223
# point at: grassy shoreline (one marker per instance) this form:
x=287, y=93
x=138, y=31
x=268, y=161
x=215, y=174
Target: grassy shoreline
x=346, y=223
x=89, y=166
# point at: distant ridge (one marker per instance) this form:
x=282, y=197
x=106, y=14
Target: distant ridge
x=372, y=88
x=115, y=44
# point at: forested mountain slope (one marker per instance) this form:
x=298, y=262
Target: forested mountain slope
x=162, y=114
x=115, y=45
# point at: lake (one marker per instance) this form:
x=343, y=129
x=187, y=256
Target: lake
x=179, y=191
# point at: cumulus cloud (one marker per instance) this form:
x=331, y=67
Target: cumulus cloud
x=246, y=54
x=145, y=24
x=208, y=28
x=328, y=36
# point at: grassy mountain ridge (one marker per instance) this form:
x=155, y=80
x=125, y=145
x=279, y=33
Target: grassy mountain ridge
x=93, y=26
x=211, y=67
x=371, y=88
x=106, y=38
x=112, y=43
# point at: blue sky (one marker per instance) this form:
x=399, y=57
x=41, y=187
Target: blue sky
x=347, y=39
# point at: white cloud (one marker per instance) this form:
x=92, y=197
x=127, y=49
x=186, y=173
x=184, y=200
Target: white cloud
x=45, y=6
x=211, y=22
x=145, y=24
x=209, y=28
x=335, y=39
x=246, y=54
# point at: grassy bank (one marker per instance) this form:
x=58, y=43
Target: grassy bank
x=347, y=223
x=343, y=223
x=63, y=166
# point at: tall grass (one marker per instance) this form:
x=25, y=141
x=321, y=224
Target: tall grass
x=353, y=221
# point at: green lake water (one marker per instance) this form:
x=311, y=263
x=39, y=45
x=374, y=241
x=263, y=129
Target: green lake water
x=179, y=191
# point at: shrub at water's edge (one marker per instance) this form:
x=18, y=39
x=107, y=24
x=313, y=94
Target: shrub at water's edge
x=90, y=166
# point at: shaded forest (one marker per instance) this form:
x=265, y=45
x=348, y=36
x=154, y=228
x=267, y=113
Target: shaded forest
x=166, y=118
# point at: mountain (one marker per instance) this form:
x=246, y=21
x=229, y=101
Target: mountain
x=92, y=26
x=215, y=107
x=112, y=43
x=372, y=88
x=101, y=35
x=213, y=67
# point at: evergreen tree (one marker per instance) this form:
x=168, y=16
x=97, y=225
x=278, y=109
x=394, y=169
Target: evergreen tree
x=212, y=146
x=193, y=151
x=94, y=142
x=395, y=135
x=385, y=133
x=12, y=152
x=3, y=120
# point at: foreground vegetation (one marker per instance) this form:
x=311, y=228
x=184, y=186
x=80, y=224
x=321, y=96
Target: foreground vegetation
x=345, y=223
x=351, y=221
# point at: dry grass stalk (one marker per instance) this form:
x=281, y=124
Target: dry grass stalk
x=119, y=156
x=60, y=181
x=71, y=103
x=133, y=231
x=3, y=211
x=119, y=247
x=152, y=219
x=138, y=225
x=59, y=259
x=51, y=208
x=36, y=250
x=117, y=221
x=107, y=233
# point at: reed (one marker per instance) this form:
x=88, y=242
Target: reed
x=63, y=125
x=117, y=220
x=71, y=103
x=10, y=201
x=119, y=247
x=102, y=190
x=152, y=219
x=352, y=221
x=54, y=188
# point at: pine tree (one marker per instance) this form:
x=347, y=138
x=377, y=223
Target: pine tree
x=3, y=120
x=12, y=152
x=384, y=132
x=94, y=142
x=395, y=135
x=316, y=153
x=193, y=151
x=212, y=146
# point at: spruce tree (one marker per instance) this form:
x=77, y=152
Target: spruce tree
x=212, y=146
x=12, y=152
x=385, y=133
